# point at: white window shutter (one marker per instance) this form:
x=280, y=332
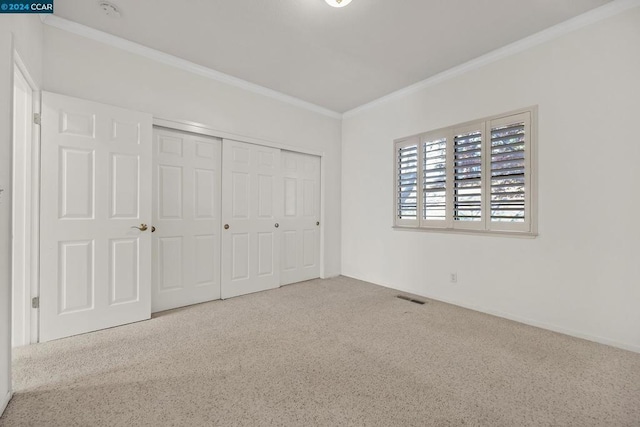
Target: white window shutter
x=407, y=191
x=510, y=166
x=468, y=177
x=435, y=178
x=477, y=176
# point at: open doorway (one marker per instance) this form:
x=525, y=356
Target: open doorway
x=25, y=202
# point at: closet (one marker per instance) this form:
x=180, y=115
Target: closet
x=230, y=218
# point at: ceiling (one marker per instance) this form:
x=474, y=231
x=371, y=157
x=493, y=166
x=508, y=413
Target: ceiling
x=335, y=58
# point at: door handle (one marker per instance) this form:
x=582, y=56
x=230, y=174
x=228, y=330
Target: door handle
x=317, y=223
x=226, y=226
x=153, y=228
x=277, y=225
x=142, y=227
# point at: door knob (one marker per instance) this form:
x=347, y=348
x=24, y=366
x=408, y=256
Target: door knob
x=153, y=228
x=317, y=222
x=141, y=227
x=226, y=226
x=277, y=225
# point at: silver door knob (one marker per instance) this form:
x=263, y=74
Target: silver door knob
x=277, y=225
x=226, y=226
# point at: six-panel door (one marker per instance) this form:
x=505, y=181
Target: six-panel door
x=186, y=217
x=251, y=209
x=96, y=195
x=300, y=225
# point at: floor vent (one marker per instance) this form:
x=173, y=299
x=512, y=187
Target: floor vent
x=410, y=299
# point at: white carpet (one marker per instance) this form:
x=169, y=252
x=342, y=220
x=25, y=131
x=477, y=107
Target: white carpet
x=334, y=352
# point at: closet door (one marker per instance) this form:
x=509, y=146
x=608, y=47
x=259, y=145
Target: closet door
x=300, y=225
x=95, y=250
x=186, y=219
x=251, y=209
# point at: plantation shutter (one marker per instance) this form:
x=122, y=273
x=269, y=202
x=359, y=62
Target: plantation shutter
x=474, y=176
x=468, y=182
x=434, y=179
x=407, y=182
x=510, y=166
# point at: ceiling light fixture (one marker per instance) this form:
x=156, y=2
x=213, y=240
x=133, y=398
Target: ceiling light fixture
x=338, y=3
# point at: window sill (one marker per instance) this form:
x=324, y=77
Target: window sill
x=517, y=234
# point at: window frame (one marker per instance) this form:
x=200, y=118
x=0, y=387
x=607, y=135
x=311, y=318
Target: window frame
x=527, y=228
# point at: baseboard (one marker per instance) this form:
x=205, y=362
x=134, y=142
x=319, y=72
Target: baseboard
x=4, y=403
x=516, y=318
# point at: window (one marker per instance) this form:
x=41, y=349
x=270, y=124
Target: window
x=476, y=176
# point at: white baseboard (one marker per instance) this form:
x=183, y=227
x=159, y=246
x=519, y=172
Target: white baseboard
x=516, y=318
x=4, y=402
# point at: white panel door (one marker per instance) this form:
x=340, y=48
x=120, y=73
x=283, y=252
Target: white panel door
x=96, y=196
x=186, y=217
x=300, y=224
x=251, y=208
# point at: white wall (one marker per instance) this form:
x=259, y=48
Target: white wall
x=84, y=68
x=582, y=274
x=24, y=34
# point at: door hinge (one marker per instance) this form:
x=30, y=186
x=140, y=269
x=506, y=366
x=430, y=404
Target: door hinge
x=37, y=119
x=35, y=302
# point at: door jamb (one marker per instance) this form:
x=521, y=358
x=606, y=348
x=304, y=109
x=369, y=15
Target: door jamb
x=32, y=258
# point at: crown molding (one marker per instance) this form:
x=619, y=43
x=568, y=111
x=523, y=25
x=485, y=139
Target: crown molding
x=174, y=61
x=595, y=15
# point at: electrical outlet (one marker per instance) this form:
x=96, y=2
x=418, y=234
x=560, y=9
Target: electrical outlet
x=453, y=277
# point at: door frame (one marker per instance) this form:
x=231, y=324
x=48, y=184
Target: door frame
x=29, y=327
x=199, y=128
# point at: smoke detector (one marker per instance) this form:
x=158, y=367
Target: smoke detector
x=110, y=9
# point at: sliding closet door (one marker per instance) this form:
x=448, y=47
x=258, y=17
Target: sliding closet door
x=251, y=209
x=95, y=248
x=300, y=225
x=186, y=219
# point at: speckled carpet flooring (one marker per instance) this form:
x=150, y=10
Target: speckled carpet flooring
x=335, y=352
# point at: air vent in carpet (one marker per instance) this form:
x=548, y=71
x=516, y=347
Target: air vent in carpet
x=410, y=299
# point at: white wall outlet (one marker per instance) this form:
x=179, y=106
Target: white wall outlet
x=453, y=277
